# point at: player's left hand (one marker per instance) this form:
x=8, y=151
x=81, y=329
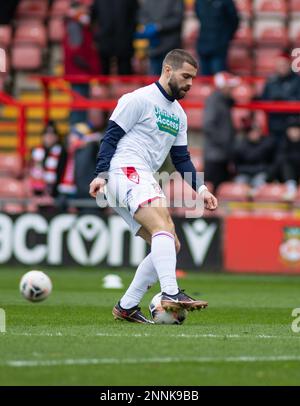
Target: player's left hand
x=210, y=201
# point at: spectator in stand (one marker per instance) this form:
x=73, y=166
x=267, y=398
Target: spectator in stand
x=47, y=163
x=160, y=23
x=218, y=129
x=115, y=24
x=288, y=158
x=283, y=86
x=80, y=54
x=219, y=21
x=253, y=157
x=7, y=11
x=77, y=169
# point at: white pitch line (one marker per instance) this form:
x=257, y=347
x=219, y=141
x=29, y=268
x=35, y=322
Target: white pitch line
x=147, y=335
x=160, y=360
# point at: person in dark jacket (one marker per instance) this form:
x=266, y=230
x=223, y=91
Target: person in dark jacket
x=288, y=157
x=219, y=21
x=80, y=54
x=218, y=129
x=47, y=163
x=161, y=23
x=7, y=11
x=115, y=22
x=253, y=157
x=284, y=85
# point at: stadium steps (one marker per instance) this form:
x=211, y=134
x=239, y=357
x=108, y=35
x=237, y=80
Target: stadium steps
x=35, y=116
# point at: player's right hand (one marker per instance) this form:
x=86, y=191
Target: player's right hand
x=96, y=186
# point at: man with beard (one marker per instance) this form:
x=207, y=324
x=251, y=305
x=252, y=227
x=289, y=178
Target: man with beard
x=146, y=125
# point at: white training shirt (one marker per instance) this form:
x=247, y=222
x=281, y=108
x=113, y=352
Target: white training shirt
x=152, y=123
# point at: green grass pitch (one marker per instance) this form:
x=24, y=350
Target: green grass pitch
x=244, y=337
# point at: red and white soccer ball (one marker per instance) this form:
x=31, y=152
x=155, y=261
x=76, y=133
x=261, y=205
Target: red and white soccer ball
x=161, y=316
x=35, y=286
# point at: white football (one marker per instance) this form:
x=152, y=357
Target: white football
x=161, y=316
x=35, y=286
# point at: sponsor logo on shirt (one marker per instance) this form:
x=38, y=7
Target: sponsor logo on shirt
x=167, y=122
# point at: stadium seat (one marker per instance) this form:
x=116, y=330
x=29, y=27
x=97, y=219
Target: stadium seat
x=230, y=191
x=32, y=9
x=34, y=33
x=26, y=57
x=13, y=188
x=273, y=192
x=270, y=32
x=5, y=36
x=181, y=197
x=13, y=208
x=197, y=158
x=240, y=61
x=56, y=29
x=294, y=32
x=119, y=89
x=264, y=60
x=270, y=8
x=10, y=165
x=60, y=8
x=244, y=7
x=199, y=91
x=243, y=36
x=194, y=118
x=295, y=8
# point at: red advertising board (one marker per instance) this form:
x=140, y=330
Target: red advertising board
x=262, y=244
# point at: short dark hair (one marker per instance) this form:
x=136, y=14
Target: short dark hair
x=177, y=57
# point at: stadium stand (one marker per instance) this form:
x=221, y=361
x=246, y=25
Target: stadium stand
x=33, y=44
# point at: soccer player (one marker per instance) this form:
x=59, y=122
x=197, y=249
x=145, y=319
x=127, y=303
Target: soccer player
x=146, y=125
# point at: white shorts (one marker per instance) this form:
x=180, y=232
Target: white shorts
x=128, y=189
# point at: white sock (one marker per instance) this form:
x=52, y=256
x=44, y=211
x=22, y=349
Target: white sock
x=163, y=256
x=144, y=278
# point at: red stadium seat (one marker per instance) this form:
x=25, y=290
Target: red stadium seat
x=264, y=60
x=294, y=32
x=118, y=89
x=32, y=9
x=240, y=61
x=181, y=197
x=272, y=192
x=197, y=158
x=34, y=33
x=243, y=36
x=5, y=36
x=26, y=57
x=10, y=165
x=60, y=8
x=13, y=208
x=194, y=118
x=13, y=188
x=56, y=29
x=229, y=191
x=270, y=7
x=244, y=7
x=295, y=7
x=270, y=32
x=199, y=91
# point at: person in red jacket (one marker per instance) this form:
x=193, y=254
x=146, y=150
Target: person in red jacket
x=80, y=55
